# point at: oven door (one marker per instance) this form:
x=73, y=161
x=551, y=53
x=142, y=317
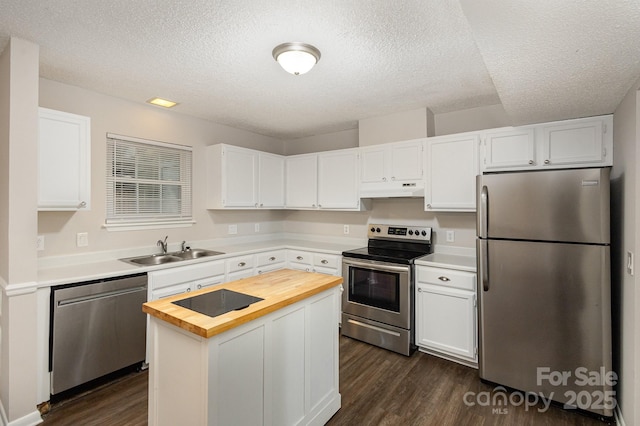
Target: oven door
x=378, y=291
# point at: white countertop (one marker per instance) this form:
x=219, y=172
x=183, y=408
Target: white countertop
x=448, y=261
x=70, y=269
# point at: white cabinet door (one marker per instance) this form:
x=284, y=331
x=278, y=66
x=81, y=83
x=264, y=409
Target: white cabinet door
x=372, y=164
x=446, y=320
x=338, y=179
x=446, y=323
x=451, y=167
x=577, y=142
x=302, y=181
x=406, y=160
x=64, y=161
x=397, y=161
x=239, y=168
x=509, y=148
x=270, y=181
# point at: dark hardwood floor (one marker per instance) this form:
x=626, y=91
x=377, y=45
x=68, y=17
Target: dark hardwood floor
x=378, y=387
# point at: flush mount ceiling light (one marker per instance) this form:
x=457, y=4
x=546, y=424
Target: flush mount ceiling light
x=162, y=102
x=296, y=58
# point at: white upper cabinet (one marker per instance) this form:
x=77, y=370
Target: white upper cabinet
x=302, y=181
x=451, y=164
x=270, y=180
x=64, y=161
x=509, y=148
x=338, y=179
x=398, y=161
x=243, y=178
x=327, y=180
x=577, y=142
x=583, y=142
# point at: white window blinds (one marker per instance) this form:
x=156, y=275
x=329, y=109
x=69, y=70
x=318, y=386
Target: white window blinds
x=147, y=181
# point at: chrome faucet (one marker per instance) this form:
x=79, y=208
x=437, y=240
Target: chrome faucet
x=163, y=244
x=183, y=246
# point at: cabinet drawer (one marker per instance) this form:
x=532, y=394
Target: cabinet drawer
x=299, y=256
x=240, y=263
x=326, y=260
x=270, y=258
x=185, y=274
x=447, y=277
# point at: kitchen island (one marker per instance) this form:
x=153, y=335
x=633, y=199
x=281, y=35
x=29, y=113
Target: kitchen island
x=274, y=362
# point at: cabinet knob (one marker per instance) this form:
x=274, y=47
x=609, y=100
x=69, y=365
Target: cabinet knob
x=384, y=179
x=272, y=258
x=419, y=290
x=324, y=261
x=393, y=178
x=299, y=257
x=188, y=290
x=255, y=205
x=443, y=278
x=241, y=264
x=261, y=204
x=428, y=206
x=547, y=162
x=319, y=205
x=531, y=162
x=259, y=272
x=199, y=286
x=83, y=204
x=313, y=205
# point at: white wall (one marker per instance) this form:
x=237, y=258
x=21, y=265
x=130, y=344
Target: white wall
x=400, y=126
x=472, y=119
x=110, y=114
x=325, y=142
x=625, y=216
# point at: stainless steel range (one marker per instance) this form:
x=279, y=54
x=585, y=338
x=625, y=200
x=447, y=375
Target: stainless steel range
x=378, y=304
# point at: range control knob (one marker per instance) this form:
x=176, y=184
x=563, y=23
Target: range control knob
x=377, y=229
x=417, y=232
x=424, y=233
x=373, y=229
x=410, y=232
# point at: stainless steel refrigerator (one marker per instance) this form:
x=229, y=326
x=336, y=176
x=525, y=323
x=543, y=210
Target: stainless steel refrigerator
x=544, y=285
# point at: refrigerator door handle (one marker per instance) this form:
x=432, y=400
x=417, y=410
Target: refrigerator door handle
x=483, y=263
x=483, y=217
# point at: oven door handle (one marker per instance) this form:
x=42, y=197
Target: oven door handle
x=377, y=266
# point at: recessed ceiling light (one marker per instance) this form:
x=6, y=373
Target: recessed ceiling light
x=162, y=102
x=296, y=58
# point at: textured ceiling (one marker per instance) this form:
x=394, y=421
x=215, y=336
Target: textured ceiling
x=542, y=59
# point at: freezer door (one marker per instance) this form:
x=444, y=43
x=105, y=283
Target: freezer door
x=545, y=311
x=550, y=205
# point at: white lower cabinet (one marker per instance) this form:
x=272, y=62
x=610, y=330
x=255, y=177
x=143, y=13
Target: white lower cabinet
x=240, y=267
x=280, y=369
x=446, y=314
x=323, y=263
x=270, y=261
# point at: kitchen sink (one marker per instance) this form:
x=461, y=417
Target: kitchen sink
x=178, y=256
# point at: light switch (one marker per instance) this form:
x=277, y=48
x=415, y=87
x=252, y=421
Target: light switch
x=451, y=236
x=233, y=229
x=40, y=243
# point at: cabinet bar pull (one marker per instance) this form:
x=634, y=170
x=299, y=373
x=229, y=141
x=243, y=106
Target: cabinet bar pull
x=299, y=257
x=241, y=264
x=324, y=261
x=272, y=258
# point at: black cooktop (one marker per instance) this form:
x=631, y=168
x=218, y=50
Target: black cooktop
x=217, y=302
x=385, y=254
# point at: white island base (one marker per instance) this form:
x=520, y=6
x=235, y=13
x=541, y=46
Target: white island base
x=278, y=369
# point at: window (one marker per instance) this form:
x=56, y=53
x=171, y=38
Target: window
x=148, y=183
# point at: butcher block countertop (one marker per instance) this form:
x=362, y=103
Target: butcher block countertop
x=278, y=289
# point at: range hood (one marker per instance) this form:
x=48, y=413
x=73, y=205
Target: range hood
x=392, y=190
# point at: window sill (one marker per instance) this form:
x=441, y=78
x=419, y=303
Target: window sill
x=139, y=226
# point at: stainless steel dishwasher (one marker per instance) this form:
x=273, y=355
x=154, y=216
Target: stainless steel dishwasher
x=97, y=327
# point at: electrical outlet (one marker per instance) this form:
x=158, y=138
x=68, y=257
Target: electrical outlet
x=40, y=243
x=346, y=229
x=256, y=227
x=451, y=236
x=233, y=229
x=630, y=265
x=82, y=239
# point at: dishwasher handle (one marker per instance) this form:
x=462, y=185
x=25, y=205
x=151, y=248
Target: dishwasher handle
x=98, y=296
